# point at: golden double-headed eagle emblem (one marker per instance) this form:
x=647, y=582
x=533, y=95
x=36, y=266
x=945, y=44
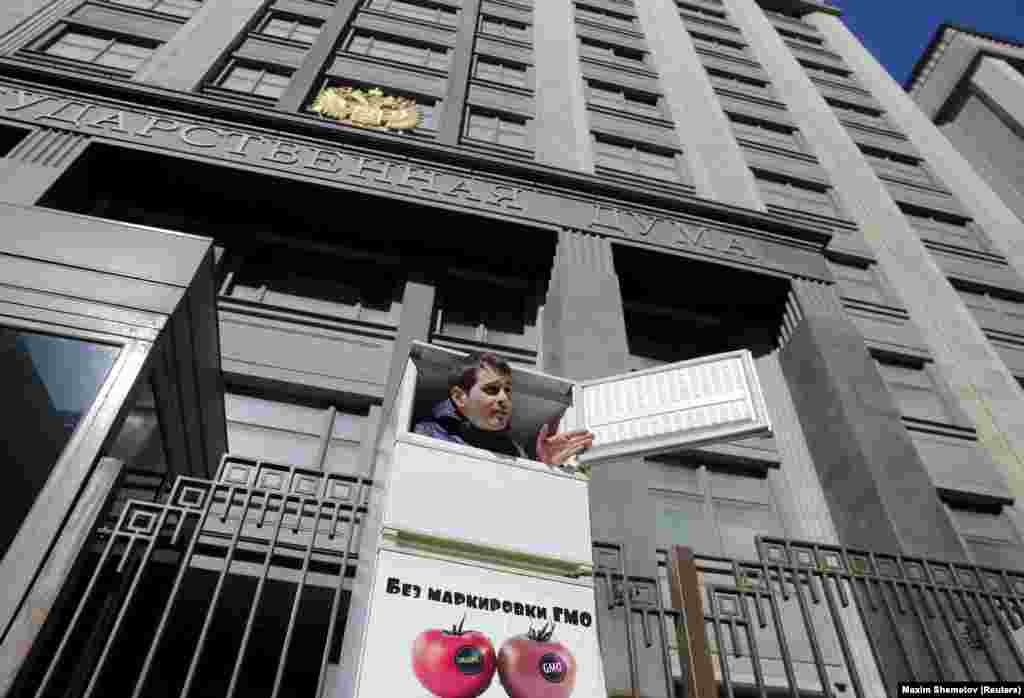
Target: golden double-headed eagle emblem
x=367, y=108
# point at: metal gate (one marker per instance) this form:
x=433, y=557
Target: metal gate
x=221, y=590
x=218, y=591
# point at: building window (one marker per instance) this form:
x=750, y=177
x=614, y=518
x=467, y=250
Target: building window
x=994, y=312
x=258, y=81
x=886, y=162
x=56, y=380
x=101, y=49
x=605, y=17
x=506, y=28
x=713, y=509
x=178, y=8
x=809, y=197
x=615, y=97
x=402, y=50
x=346, y=288
x=496, y=70
x=291, y=28
x=717, y=14
x=722, y=77
x=988, y=533
x=861, y=283
x=948, y=230
x=295, y=432
x=495, y=129
x=487, y=309
x=640, y=159
x=760, y=131
x=826, y=71
x=797, y=36
x=601, y=50
x=424, y=10
x=711, y=41
x=919, y=393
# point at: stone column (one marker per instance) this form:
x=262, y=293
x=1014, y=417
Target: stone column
x=561, y=128
x=584, y=337
x=879, y=492
x=417, y=313
x=37, y=162
x=968, y=361
x=715, y=159
x=184, y=61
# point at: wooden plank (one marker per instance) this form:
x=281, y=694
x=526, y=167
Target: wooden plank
x=684, y=588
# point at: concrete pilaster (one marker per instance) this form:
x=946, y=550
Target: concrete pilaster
x=417, y=314
x=1002, y=85
x=805, y=508
x=879, y=492
x=562, y=130
x=584, y=337
x=715, y=159
x=985, y=387
x=969, y=362
x=182, y=62
x=37, y=162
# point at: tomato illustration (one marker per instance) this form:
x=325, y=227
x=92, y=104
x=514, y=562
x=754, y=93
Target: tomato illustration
x=534, y=666
x=453, y=663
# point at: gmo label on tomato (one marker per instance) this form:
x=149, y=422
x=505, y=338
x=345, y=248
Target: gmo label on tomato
x=469, y=660
x=552, y=668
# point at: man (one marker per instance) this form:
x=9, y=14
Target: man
x=478, y=412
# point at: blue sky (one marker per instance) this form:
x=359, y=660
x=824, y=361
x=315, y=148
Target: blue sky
x=897, y=31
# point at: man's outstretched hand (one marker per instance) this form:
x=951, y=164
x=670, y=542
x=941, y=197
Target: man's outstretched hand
x=557, y=449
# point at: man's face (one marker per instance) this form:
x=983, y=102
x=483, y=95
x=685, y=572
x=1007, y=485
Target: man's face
x=488, y=404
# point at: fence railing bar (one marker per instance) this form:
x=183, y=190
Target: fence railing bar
x=350, y=538
x=183, y=565
x=723, y=657
x=755, y=654
x=293, y=614
x=982, y=635
x=773, y=605
x=214, y=601
x=954, y=634
x=805, y=613
x=844, y=642
x=258, y=595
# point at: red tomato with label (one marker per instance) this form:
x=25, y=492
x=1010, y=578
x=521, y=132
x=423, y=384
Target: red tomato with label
x=453, y=663
x=534, y=666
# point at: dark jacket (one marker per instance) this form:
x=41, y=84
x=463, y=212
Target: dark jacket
x=447, y=424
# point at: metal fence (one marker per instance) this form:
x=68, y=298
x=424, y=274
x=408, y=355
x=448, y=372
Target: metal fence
x=221, y=590
x=218, y=591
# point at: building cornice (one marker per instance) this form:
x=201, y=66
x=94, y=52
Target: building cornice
x=940, y=41
x=299, y=125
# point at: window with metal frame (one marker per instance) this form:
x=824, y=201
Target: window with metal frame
x=499, y=70
x=690, y=7
x=497, y=129
x=945, y=229
x=484, y=308
x=769, y=132
x=606, y=17
x=617, y=97
x=256, y=80
x=177, y=8
x=994, y=311
x=399, y=49
x=424, y=10
x=641, y=159
x=712, y=508
x=714, y=42
x=886, y=162
x=601, y=50
x=362, y=289
x=919, y=392
x=505, y=28
x=101, y=49
x=293, y=431
x=990, y=536
x=290, y=28
x=809, y=197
